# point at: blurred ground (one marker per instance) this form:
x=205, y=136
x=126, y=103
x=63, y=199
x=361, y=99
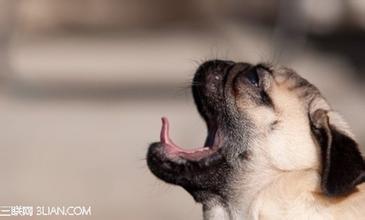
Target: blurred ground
x=78, y=111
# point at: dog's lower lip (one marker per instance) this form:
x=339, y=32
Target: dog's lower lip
x=172, y=150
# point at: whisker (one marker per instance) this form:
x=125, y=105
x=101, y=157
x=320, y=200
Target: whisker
x=196, y=62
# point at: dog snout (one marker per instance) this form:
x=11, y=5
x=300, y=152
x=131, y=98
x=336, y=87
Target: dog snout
x=211, y=74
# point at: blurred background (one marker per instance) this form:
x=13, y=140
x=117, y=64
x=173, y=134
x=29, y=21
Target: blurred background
x=83, y=85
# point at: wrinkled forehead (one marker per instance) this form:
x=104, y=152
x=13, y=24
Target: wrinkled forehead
x=290, y=81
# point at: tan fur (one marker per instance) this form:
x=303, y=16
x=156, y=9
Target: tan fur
x=295, y=195
x=282, y=180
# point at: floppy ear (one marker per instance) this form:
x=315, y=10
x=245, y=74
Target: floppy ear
x=343, y=167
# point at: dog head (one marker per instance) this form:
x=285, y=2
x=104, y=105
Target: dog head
x=258, y=115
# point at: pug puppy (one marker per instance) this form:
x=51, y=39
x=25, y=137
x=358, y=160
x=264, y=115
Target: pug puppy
x=275, y=149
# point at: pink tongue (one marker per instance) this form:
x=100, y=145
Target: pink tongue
x=165, y=137
x=171, y=146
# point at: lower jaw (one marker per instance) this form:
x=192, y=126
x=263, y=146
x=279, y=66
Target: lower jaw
x=201, y=178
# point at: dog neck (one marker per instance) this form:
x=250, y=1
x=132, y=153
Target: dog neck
x=215, y=213
x=248, y=204
x=241, y=202
x=220, y=212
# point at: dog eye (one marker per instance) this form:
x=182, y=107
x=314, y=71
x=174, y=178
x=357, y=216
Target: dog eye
x=253, y=77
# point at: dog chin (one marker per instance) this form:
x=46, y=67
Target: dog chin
x=170, y=162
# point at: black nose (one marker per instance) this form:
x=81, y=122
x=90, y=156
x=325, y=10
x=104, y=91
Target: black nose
x=217, y=65
x=211, y=73
x=208, y=85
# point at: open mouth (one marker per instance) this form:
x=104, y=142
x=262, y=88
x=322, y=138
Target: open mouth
x=172, y=150
x=197, y=169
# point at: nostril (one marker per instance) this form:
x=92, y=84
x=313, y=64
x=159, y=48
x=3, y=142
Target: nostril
x=217, y=76
x=213, y=81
